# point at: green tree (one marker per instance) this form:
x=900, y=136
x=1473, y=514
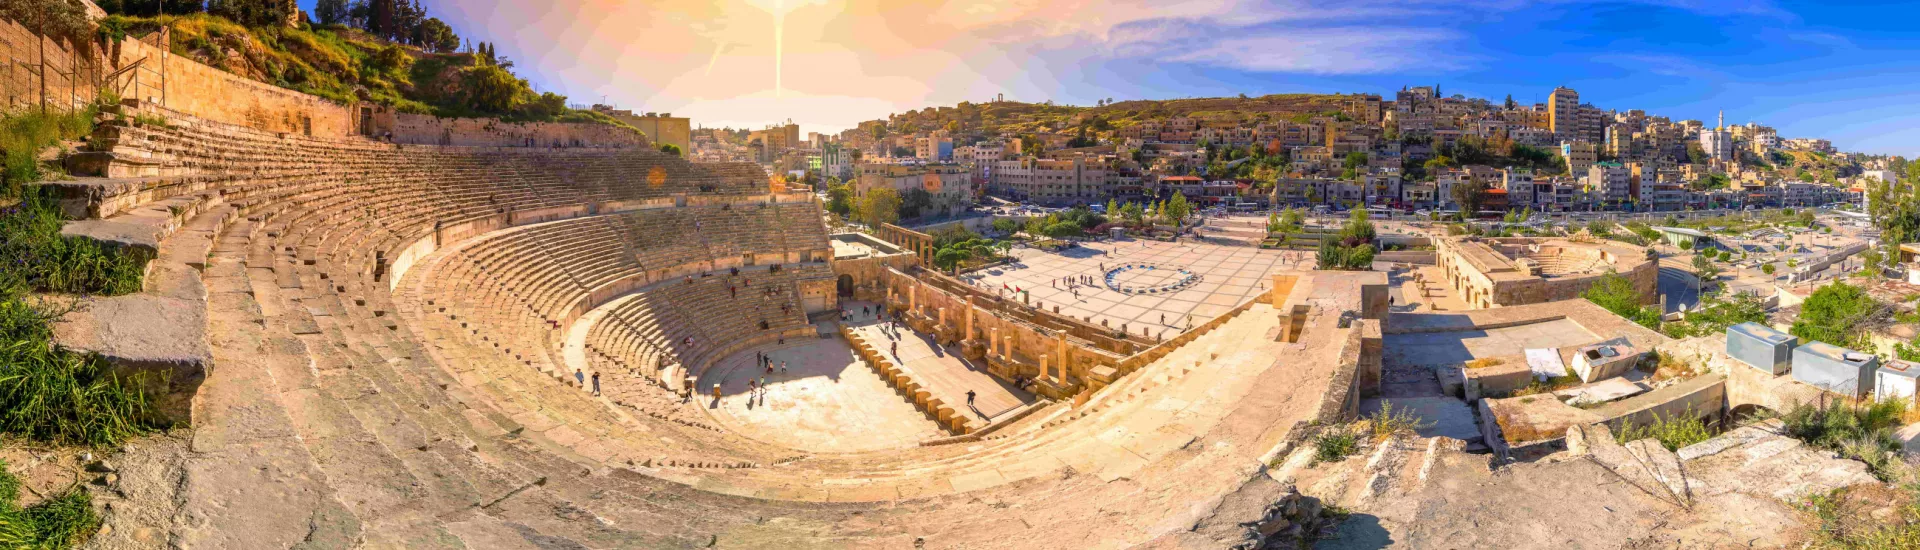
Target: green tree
x=880, y=206
x=950, y=258
x=915, y=203
x=252, y=13
x=1616, y=294
x=1062, y=230
x=1836, y=314
x=840, y=199
x=1294, y=217
x=670, y=149
x=1177, y=209
x=491, y=89
x=1471, y=195
x=437, y=36
x=1767, y=269
x=1006, y=226
x=330, y=12
x=1704, y=268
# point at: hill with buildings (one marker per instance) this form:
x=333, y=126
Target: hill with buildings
x=1107, y=116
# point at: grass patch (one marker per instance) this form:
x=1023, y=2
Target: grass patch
x=23, y=135
x=1861, y=431
x=1847, y=519
x=1673, y=432
x=63, y=521
x=1549, y=385
x=1485, y=362
x=48, y=393
x=1667, y=366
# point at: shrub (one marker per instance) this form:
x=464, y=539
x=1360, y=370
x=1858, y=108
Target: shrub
x=1673, y=432
x=1858, y=430
x=1617, y=295
x=491, y=89
x=1335, y=446
x=1392, y=421
x=1834, y=313
x=1846, y=523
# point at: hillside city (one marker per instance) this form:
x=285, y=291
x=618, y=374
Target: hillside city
x=352, y=274
x=1418, y=150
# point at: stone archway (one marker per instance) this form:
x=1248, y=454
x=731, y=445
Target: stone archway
x=844, y=286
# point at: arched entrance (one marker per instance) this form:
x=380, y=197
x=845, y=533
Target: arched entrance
x=844, y=286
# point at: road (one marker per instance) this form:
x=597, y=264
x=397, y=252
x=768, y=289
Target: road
x=1680, y=288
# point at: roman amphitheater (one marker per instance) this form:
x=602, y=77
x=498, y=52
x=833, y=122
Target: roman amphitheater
x=381, y=330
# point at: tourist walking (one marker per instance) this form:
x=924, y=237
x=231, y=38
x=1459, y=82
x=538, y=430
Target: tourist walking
x=596, y=383
x=969, y=398
x=783, y=367
x=579, y=377
x=716, y=392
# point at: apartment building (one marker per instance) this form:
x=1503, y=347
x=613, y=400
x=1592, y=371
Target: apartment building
x=950, y=185
x=1052, y=182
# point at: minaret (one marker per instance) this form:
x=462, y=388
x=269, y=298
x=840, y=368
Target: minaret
x=1722, y=125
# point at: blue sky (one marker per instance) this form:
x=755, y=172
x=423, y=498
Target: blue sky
x=1845, y=71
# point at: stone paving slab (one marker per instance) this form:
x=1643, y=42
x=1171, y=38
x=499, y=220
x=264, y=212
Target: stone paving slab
x=1229, y=276
x=827, y=401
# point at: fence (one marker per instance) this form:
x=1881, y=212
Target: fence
x=42, y=73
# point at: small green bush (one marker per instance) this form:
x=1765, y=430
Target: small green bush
x=1861, y=431
x=1673, y=432
x=1335, y=446
x=1393, y=421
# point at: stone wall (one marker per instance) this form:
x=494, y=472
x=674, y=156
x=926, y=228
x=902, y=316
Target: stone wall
x=407, y=128
x=155, y=75
x=184, y=85
x=69, y=78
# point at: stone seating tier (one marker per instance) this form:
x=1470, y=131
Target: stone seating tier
x=189, y=155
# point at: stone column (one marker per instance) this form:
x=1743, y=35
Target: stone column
x=913, y=297
x=1061, y=349
x=993, y=340
x=1006, y=345
x=1043, y=367
x=967, y=333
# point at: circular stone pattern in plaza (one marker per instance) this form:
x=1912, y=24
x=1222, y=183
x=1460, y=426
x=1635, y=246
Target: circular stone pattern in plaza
x=1143, y=278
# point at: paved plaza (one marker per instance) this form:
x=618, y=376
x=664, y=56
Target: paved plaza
x=828, y=401
x=1229, y=275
